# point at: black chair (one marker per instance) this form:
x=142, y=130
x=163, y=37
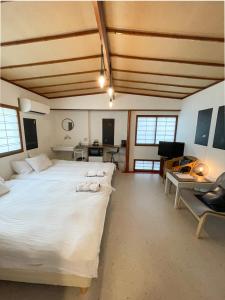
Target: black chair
x=112, y=154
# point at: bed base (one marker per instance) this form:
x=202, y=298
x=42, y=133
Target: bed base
x=38, y=277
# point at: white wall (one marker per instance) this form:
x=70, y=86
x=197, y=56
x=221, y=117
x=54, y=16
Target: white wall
x=144, y=152
x=212, y=97
x=9, y=95
x=122, y=101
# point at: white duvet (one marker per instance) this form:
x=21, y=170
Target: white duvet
x=46, y=225
x=71, y=170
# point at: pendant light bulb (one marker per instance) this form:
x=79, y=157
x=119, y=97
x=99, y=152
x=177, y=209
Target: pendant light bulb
x=101, y=81
x=110, y=103
x=110, y=91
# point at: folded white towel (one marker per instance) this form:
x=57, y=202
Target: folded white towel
x=88, y=187
x=96, y=173
x=3, y=189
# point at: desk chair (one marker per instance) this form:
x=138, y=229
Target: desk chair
x=112, y=153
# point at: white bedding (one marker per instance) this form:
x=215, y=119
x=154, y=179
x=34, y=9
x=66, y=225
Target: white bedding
x=64, y=170
x=46, y=225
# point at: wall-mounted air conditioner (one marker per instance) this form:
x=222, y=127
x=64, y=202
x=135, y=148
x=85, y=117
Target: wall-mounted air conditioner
x=30, y=106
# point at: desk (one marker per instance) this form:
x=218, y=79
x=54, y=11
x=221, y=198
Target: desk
x=179, y=183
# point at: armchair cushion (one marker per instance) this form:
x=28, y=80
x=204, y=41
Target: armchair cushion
x=214, y=199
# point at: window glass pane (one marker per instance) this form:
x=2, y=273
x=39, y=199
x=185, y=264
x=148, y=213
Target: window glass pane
x=166, y=127
x=145, y=130
x=146, y=165
x=9, y=130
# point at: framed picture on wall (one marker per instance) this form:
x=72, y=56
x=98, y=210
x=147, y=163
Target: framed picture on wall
x=219, y=136
x=203, y=127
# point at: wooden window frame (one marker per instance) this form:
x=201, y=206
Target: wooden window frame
x=145, y=171
x=155, y=116
x=20, y=131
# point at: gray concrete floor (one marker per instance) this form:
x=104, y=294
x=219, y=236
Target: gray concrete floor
x=149, y=252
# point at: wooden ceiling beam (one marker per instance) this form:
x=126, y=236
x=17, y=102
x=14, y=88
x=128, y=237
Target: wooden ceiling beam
x=56, y=75
x=76, y=95
x=48, y=62
x=169, y=75
x=71, y=90
x=151, y=95
x=60, y=84
x=150, y=90
x=101, y=24
x=49, y=38
x=170, y=60
x=164, y=35
x=157, y=83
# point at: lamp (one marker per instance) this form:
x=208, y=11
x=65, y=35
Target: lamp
x=101, y=79
x=200, y=169
x=110, y=89
x=110, y=102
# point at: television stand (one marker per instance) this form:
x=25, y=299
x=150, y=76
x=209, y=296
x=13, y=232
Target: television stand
x=162, y=162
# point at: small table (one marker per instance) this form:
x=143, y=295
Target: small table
x=172, y=178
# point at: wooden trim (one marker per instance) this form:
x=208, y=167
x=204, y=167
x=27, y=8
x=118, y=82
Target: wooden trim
x=170, y=60
x=20, y=86
x=56, y=75
x=101, y=23
x=164, y=35
x=49, y=62
x=76, y=95
x=148, y=95
x=169, y=75
x=71, y=90
x=20, y=131
x=111, y=109
x=151, y=90
x=60, y=84
x=128, y=141
x=155, y=116
x=50, y=37
x=214, y=83
x=145, y=171
x=157, y=83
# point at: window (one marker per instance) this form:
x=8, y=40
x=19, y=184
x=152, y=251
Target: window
x=10, y=136
x=146, y=165
x=152, y=129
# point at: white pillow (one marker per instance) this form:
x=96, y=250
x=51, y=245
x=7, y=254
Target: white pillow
x=21, y=167
x=3, y=189
x=39, y=163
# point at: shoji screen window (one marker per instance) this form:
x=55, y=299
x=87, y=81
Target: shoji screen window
x=152, y=129
x=10, y=132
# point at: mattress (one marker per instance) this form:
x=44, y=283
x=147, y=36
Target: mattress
x=46, y=225
x=71, y=170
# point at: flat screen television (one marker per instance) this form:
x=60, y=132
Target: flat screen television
x=171, y=149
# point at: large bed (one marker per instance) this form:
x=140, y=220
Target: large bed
x=49, y=233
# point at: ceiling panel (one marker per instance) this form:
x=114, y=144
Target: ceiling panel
x=166, y=48
x=64, y=87
x=205, y=18
x=75, y=93
x=144, y=92
x=56, y=68
x=155, y=87
x=166, y=67
x=59, y=80
x=22, y=20
x=161, y=79
x=51, y=50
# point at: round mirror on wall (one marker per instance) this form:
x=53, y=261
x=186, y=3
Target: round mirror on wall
x=67, y=124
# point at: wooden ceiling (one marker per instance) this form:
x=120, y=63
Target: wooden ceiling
x=163, y=49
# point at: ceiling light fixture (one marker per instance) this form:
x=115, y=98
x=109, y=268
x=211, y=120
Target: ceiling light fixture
x=110, y=90
x=101, y=79
x=110, y=102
